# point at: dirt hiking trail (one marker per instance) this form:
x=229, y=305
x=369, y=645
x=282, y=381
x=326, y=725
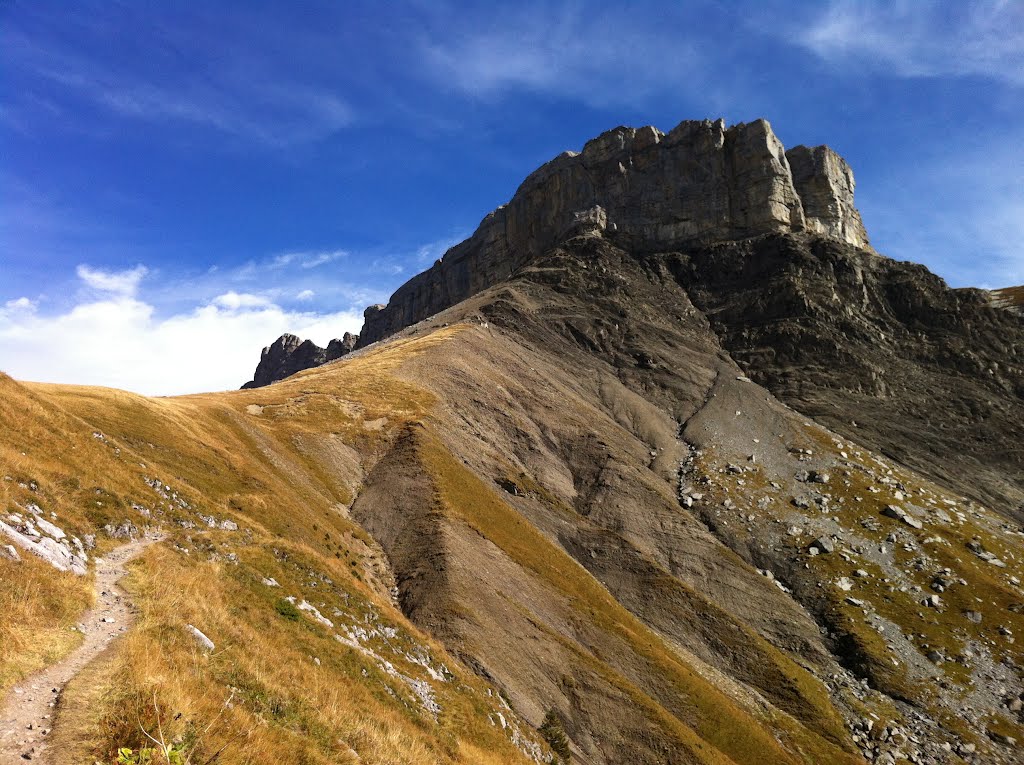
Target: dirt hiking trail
x=27, y=714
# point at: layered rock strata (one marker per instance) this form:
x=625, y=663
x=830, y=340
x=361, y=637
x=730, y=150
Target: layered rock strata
x=825, y=184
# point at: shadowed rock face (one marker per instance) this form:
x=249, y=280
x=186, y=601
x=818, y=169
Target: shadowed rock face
x=881, y=351
x=290, y=354
x=649, y=191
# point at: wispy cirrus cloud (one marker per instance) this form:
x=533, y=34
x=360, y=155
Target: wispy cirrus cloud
x=278, y=116
x=598, y=55
x=286, y=279
x=920, y=38
x=183, y=76
x=308, y=258
x=965, y=219
x=427, y=253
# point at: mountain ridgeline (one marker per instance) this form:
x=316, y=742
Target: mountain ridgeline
x=769, y=245
x=701, y=182
x=650, y=192
x=664, y=464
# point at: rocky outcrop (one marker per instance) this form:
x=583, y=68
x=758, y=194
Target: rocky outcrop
x=651, y=191
x=290, y=354
x=881, y=351
x=1010, y=298
x=825, y=184
x=33, y=533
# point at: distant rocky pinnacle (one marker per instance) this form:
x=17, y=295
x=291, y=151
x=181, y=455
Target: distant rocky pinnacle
x=290, y=354
x=650, y=191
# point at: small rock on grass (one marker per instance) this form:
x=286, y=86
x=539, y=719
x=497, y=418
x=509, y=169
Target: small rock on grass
x=204, y=642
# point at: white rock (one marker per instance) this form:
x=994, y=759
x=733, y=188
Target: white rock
x=204, y=642
x=48, y=528
x=315, y=613
x=48, y=549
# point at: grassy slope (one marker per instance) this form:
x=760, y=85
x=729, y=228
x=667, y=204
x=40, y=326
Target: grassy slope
x=253, y=457
x=260, y=692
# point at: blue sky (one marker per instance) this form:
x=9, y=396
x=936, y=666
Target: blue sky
x=181, y=182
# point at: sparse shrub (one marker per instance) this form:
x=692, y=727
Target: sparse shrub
x=552, y=732
x=287, y=609
x=171, y=755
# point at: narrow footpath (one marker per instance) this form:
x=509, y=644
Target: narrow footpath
x=27, y=714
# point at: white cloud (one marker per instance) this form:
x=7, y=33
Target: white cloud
x=117, y=282
x=305, y=295
x=307, y=259
x=276, y=116
x=20, y=305
x=112, y=337
x=597, y=55
x=227, y=89
x=232, y=301
x=915, y=38
x=387, y=266
x=428, y=253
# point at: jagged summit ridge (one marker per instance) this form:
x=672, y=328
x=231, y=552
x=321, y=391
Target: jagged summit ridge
x=290, y=354
x=701, y=182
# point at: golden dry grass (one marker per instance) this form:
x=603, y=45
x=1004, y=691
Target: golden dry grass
x=262, y=459
x=283, y=707
x=226, y=462
x=39, y=607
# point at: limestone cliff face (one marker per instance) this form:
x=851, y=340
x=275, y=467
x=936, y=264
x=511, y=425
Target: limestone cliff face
x=650, y=191
x=825, y=184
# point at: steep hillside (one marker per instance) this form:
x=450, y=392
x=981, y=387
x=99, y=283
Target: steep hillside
x=253, y=508
x=880, y=351
x=582, y=506
x=662, y=465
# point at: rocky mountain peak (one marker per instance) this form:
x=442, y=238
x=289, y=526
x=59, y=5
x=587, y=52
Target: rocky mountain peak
x=825, y=184
x=701, y=182
x=649, y=191
x=290, y=354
